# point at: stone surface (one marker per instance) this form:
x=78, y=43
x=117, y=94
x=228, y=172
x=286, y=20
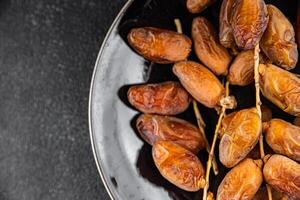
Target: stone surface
x=47, y=53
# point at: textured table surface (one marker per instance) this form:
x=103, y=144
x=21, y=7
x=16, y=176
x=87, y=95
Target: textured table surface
x=47, y=53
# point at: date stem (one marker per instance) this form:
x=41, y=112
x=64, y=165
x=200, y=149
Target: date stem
x=178, y=25
x=258, y=107
x=211, y=153
x=201, y=125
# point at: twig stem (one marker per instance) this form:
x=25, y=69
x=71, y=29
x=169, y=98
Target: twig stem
x=178, y=25
x=211, y=153
x=258, y=104
x=201, y=126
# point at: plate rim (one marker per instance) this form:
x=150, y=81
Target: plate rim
x=91, y=133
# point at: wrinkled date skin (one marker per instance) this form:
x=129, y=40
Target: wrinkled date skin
x=225, y=34
x=239, y=134
x=249, y=21
x=283, y=174
x=168, y=98
x=197, y=6
x=241, y=71
x=208, y=48
x=283, y=138
x=280, y=87
x=159, y=45
x=155, y=127
x=242, y=182
x=178, y=165
x=278, y=41
x=201, y=83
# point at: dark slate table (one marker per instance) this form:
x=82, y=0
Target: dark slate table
x=47, y=53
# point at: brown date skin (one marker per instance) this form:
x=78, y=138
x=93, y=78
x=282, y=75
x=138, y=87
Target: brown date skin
x=197, y=6
x=208, y=48
x=239, y=134
x=241, y=182
x=168, y=98
x=178, y=165
x=155, y=127
x=249, y=21
x=159, y=45
x=196, y=78
x=241, y=71
x=280, y=87
x=283, y=138
x=278, y=41
x=283, y=174
x=225, y=33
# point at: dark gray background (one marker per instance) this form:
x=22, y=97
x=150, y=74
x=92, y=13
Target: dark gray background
x=47, y=53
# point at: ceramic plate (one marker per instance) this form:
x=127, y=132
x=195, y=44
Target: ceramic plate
x=123, y=159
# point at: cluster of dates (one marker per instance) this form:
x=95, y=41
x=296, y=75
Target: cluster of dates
x=175, y=142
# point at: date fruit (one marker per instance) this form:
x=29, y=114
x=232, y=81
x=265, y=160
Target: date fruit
x=168, y=98
x=155, y=127
x=280, y=87
x=197, y=6
x=239, y=134
x=241, y=71
x=241, y=182
x=225, y=34
x=278, y=41
x=208, y=48
x=283, y=137
x=159, y=45
x=178, y=165
x=249, y=22
x=201, y=83
x=283, y=174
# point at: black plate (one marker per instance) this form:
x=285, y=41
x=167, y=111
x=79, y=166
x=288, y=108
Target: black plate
x=123, y=159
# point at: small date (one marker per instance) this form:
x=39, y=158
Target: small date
x=168, y=98
x=241, y=182
x=155, y=127
x=283, y=174
x=208, y=48
x=196, y=78
x=278, y=41
x=160, y=45
x=283, y=137
x=178, y=165
x=197, y=6
x=249, y=22
x=239, y=134
x=280, y=87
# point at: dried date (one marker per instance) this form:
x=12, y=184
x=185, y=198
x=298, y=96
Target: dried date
x=160, y=45
x=168, y=98
x=178, y=165
x=155, y=127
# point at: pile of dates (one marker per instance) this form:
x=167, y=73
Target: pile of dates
x=244, y=24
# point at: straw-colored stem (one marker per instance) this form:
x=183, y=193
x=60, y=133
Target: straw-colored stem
x=178, y=25
x=258, y=104
x=201, y=126
x=211, y=153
